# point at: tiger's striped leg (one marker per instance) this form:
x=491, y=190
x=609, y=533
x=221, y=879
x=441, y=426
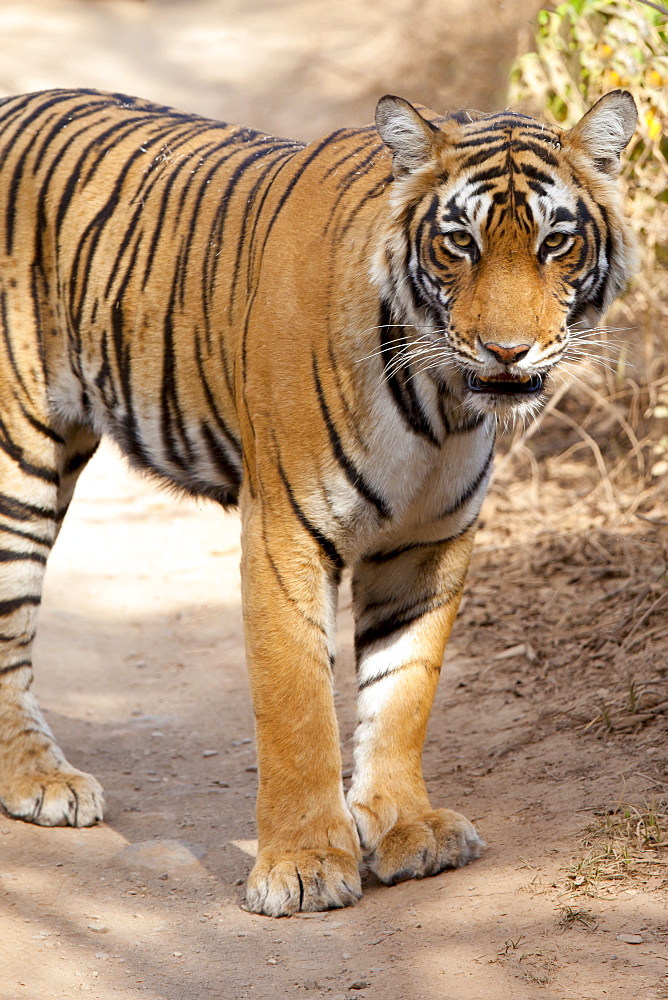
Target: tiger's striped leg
x=405, y=607
x=36, y=781
x=308, y=848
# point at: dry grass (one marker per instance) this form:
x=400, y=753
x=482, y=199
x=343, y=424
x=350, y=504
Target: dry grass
x=572, y=917
x=635, y=706
x=629, y=842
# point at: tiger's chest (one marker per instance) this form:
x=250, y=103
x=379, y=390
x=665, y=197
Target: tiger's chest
x=430, y=492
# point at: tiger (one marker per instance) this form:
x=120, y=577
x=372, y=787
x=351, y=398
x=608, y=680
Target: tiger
x=326, y=335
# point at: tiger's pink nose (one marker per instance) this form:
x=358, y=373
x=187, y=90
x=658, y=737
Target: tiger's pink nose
x=508, y=355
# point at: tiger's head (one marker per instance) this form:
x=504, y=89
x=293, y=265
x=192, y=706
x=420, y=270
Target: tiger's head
x=505, y=242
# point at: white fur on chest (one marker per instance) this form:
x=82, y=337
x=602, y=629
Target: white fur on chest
x=432, y=492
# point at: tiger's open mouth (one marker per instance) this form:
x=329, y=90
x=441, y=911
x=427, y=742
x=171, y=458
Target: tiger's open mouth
x=505, y=384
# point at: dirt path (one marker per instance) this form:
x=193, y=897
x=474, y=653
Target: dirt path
x=141, y=666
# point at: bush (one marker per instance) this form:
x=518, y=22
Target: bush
x=582, y=50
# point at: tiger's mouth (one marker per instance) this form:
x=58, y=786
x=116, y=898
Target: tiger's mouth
x=505, y=384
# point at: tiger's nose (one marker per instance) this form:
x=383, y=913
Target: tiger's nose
x=508, y=355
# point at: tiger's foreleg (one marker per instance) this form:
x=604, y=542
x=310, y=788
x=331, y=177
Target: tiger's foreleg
x=405, y=607
x=308, y=850
x=36, y=781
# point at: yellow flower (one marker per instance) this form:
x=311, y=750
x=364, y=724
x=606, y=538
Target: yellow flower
x=654, y=126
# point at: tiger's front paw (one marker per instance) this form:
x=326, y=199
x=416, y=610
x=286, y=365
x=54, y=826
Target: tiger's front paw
x=317, y=879
x=59, y=796
x=436, y=840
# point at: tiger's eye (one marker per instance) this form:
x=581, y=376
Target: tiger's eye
x=554, y=241
x=461, y=238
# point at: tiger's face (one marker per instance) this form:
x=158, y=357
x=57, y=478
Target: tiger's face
x=506, y=242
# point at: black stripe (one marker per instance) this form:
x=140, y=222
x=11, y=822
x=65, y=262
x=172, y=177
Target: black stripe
x=17, y=454
x=173, y=427
x=382, y=557
x=9, y=344
x=18, y=108
x=538, y=188
x=470, y=490
x=325, y=544
x=286, y=593
x=468, y=425
x=604, y=278
x=398, y=621
x=20, y=511
x=88, y=242
x=353, y=475
x=97, y=145
x=492, y=173
x=591, y=234
x=103, y=380
x=366, y=136
x=400, y=381
x=357, y=173
x=73, y=116
x=488, y=139
x=217, y=238
x=390, y=671
x=6, y=555
x=9, y=607
x=386, y=673
x=219, y=457
x=204, y=181
x=15, y=666
x=124, y=368
x=529, y=170
x=494, y=147
x=145, y=188
x=70, y=186
x=48, y=432
x=25, y=534
x=76, y=462
x=540, y=151
x=211, y=401
x=374, y=192
x=402, y=618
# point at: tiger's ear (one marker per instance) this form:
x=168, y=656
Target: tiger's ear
x=412, y=139
x=606, y=130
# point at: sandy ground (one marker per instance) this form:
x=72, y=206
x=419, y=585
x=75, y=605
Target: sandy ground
x=552, y=708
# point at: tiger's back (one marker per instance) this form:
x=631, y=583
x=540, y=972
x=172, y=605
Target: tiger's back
x=112, y=207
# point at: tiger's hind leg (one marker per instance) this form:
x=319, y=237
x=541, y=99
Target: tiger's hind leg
x=37, y=783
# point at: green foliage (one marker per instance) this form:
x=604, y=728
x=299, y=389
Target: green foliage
x=584, y=49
